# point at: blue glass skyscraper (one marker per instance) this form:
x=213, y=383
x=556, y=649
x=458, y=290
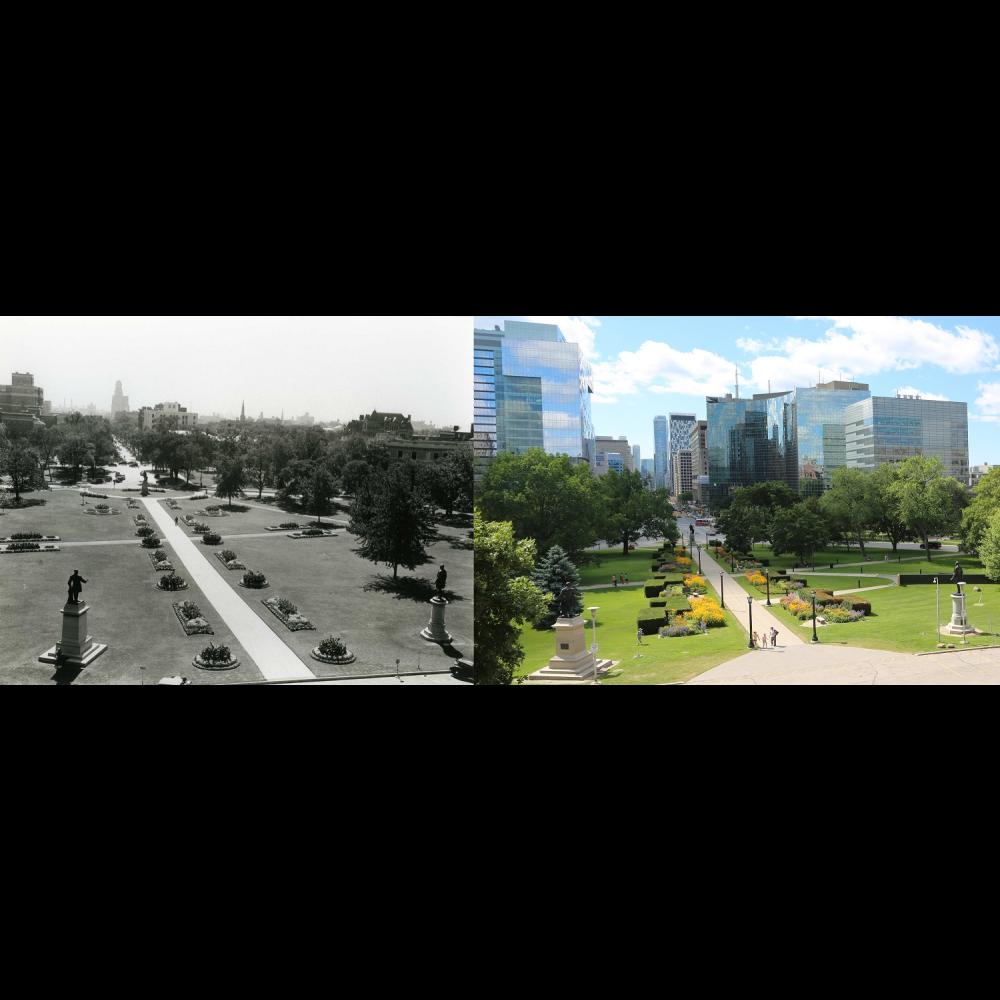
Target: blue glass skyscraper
x=532, y=390
x=660, y=454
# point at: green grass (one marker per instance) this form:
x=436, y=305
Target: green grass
x=816, y=582
x=635, y=565
x=662, y=661
x=911, y=561
x=903, y=619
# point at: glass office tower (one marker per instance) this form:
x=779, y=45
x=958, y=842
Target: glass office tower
x=889, y=429
x=820, y=435
x=659, y=451
x=534, y=387
x=750, y=441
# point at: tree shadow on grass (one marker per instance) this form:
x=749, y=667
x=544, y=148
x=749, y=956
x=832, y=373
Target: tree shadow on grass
x=465, y=544
x=408, y=588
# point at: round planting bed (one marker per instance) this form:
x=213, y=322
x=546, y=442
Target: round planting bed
x=336, y=651
x=227, y=665
x=171, y=590
x=317, y=655
x=261, y=586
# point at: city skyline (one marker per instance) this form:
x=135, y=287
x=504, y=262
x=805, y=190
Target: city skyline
x=644, y=367
x=333, y=368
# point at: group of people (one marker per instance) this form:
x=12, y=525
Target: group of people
x=761, y=640
x=619, y=580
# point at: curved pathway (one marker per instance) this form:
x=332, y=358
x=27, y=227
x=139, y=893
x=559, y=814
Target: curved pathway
x=273, y=658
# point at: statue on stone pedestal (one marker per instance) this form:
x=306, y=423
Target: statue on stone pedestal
x=958, y=577
x=440, y=580
x=567, y=602
x=75, y=587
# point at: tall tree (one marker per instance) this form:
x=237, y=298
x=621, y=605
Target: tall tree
x=353, y=475
x=978, y=515
x=45, y=441
x=554, y=571
x=258, y=459
x=545, y=497
x=989, y=545
x=321, y=490
x=19, y=461
x=451, y=479
x=393, y=521
x=505, y=598
x=630, y=511
x=800, y=529
x=888, y=515
x=230, y=478
x=852, y=500
x=929, y=501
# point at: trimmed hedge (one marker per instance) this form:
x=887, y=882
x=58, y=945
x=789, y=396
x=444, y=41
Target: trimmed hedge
x=653, y=588
x=650, y=626
x=658, y=604
x=944, y=576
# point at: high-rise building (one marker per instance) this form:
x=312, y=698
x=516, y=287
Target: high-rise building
x=699, y=461
x=750, y=441
x=119, y=401
x=820, y=431
x=612, y=453
x=660, y=451
x=648, y=471
x=636, y=458
x=21, y=402
x=531, y=389
x=885, y=429
x=681, y=472
x=681, y=428
x=976, y=473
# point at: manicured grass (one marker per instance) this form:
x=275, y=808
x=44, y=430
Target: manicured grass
x=635, y=565
x=911, y=561
x=816, y=582
x=903, y=619
x=662, y=661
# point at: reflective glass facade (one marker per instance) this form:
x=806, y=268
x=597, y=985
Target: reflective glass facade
x=485, y=363
x=820, y=435
x=659, y=451
x=750, y=441
x=541, y=388
x=886, y=429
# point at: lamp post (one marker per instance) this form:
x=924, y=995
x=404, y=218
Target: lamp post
x=750, y=642
x=699, y=558
x=815, y=636
x=937, y=615
x=732, y=562
x=722, y=590
x=767, y=577
x=593, y=637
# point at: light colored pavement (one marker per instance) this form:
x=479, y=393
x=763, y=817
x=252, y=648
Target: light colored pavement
x=273, y=658
x=409, y=680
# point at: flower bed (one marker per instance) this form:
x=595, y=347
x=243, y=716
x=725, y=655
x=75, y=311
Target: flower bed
x=144, y=531
x=284, y=526
x=171, y=582
x=254, y=580
x=191, y=619
x=707, y=610
x=139, y=520
x=198, y=528
x=173, y=505
x=230, y=563
x=211, y=538
x=211, y=512
x=312, y=533
x=214, y=657
x=332, y=650
x=150, y=542
x=756, y=578
x=97, y=496
x=161, y=565
x=137, y=489
x=30, y=536
x=292, y=620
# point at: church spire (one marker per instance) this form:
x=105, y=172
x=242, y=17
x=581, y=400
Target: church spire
x=243, y=412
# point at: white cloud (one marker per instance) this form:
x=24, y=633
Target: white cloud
x=908, y=390
x=988, y=403
x=873, y=344
x=657, y=367
x=576, y=329
x=750, y=345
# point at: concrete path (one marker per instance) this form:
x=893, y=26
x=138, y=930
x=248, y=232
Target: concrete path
x=736, y=602
x=273, y=658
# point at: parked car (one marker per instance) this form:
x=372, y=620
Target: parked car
x=931, y=545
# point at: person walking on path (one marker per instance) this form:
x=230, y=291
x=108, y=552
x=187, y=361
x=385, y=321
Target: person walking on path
x=755, y=640
x=614, y=581
x=621, y=579
x=774, y=637
x=638, y=637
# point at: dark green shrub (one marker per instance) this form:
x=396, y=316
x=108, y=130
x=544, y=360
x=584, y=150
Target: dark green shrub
x=290, y=525
x=253, y=579
x=28, y=535
x=228, y=555
x=144, y=532
x=285, y=606
x=23, y=547
x=210, y=538
x=658, y=604
x=653, y=588
x=216, y=654
x=312, y=532
x=650, y=626
x=334, y=646
x=189, y=610
x=171, y=581
x=150, y=543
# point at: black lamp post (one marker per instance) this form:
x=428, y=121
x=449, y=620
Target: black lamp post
x=722, y=590
x=699, y=558
x=732, y=562
x=750, y=642
x=815, y=636
x=767, y=577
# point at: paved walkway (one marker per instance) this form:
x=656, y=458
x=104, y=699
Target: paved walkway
x=273, y=658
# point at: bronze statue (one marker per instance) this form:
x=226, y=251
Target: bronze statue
x=567, y=602
x=74, y=584
x=440, y=580
x=958, y=577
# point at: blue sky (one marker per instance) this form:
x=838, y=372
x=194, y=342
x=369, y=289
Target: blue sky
x=650, y=365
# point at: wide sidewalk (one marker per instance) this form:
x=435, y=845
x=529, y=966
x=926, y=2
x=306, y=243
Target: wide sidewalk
x=273, y=658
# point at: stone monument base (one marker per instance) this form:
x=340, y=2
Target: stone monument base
x=573, y=661
x=959, y=624
x=75, y=648
x=434, y=630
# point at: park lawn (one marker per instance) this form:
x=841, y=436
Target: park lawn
x=662, y=661
x=635, y=565
x=903, y=620
x=906, y=561
x=816, y=582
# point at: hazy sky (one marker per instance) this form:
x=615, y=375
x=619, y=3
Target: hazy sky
x=329, y=366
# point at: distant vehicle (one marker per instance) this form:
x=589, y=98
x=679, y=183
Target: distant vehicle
x=931, y=545
x=134, y=465
x=702, y=522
